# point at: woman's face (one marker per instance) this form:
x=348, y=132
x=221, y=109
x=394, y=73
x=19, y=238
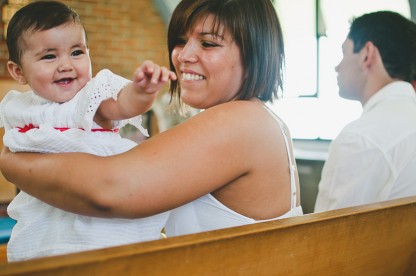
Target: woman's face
x=208, y=66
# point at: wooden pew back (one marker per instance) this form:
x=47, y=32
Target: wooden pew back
x=3, y=253
x=375, y=239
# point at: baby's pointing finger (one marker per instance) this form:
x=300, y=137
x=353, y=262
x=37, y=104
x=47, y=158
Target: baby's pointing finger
x=148, y=67
x=156, y=74
x=165, y=75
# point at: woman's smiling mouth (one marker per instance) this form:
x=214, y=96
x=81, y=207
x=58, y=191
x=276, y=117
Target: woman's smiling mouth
x=189, y=76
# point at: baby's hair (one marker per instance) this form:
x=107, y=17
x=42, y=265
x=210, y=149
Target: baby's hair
x=36, y=16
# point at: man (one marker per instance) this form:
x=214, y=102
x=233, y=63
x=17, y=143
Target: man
x=374, y=158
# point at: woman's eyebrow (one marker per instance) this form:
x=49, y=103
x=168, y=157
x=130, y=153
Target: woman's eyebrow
x=212, y=34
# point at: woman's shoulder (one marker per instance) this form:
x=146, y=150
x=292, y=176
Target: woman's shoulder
x=248, y=113
x=245, y=119
x=236, y=110
x=240, y=104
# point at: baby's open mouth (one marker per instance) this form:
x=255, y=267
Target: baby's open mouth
x=64, y=81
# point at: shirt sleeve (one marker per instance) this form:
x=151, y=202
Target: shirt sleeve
x=355, y=173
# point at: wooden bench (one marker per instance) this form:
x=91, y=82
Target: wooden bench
x=3, y=253
x=374, y=239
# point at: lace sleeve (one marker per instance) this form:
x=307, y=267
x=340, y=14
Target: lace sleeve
x=105, y=85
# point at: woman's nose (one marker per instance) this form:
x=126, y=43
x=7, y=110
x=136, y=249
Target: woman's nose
x=188, y=53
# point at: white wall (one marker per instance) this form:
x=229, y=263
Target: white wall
x=165, y=8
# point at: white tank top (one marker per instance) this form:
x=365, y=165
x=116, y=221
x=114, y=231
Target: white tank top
x=207, y=213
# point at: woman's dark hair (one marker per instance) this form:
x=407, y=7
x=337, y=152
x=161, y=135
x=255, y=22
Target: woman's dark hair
x=254, y=27
x=393, y=35
x=36, y=16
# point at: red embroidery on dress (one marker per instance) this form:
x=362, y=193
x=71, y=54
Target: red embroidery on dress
x=28, y=127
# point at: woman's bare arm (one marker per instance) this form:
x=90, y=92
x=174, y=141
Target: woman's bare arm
x=172, y=168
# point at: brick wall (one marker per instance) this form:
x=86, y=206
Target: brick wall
x=121, y=35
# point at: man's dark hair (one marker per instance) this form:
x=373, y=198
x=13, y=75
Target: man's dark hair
x=393, y=35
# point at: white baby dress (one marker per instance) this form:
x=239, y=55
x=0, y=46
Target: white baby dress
x=37, y=125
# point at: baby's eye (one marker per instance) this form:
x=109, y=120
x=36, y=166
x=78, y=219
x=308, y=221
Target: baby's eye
x=77, y=53
x=48, y=57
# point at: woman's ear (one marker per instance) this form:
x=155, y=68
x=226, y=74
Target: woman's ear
x=16, y=72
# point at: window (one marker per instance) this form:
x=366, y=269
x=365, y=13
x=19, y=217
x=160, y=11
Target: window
x=314, y=31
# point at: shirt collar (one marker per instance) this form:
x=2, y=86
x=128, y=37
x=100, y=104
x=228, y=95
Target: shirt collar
x=396, y=89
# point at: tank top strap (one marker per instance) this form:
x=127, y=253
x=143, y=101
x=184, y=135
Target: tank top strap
x=292, y=166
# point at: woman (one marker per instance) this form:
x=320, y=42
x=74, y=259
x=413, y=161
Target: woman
x=230, y=165
x=57, y=115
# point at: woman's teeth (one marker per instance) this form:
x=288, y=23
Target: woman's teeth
x=187, y=76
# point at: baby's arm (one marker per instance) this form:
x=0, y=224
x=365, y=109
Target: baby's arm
x=137, y=97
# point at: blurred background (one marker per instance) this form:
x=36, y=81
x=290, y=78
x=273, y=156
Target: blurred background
x=122, y=36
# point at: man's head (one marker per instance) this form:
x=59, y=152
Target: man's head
x=380, y=46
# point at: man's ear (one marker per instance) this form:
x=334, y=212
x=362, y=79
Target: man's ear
x=370, y=54
x=16, y=72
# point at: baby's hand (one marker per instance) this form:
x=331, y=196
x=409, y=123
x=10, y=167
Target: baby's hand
x=150, y=77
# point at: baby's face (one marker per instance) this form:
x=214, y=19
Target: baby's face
x=56, y=62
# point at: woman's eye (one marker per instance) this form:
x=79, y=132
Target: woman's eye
x=208, y=44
